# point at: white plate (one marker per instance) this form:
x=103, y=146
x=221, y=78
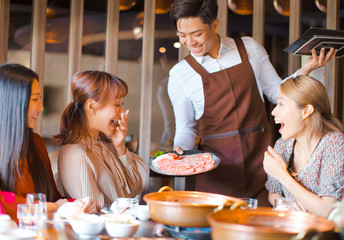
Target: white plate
x=153, y=166
x=18, y=234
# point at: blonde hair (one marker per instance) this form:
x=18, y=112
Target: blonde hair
x=306, y=90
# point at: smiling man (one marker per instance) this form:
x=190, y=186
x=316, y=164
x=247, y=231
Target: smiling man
x=221, y=86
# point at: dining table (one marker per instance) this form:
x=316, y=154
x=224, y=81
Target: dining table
x=147, y=230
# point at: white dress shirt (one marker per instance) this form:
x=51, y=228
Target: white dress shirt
x=185, y=87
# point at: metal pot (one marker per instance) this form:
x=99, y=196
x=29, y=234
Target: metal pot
x=268, y=224
x=186, y=208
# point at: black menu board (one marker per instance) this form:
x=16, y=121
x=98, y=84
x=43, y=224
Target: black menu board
x=317, y=38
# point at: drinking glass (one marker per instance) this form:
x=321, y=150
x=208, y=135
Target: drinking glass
x=252, y=203
x=126, y=206
x=283, y=204
x=37, y=198
x=51, y=227
x=29, y=215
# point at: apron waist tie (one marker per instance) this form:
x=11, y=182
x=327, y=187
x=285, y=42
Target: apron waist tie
x=233, y=133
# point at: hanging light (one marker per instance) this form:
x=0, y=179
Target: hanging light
x=242, y=7
x=126, y=4
x=163, y=6
x=282, y=7
x=138, y=25
x=51, y=12
x=162, y=49
x=322, y=5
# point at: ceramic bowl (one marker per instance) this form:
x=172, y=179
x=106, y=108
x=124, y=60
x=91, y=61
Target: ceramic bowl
x=6, y=223
x=120, y=225
x=86, y=224
x=18, y=234
x=69, y=209
x=142, y=212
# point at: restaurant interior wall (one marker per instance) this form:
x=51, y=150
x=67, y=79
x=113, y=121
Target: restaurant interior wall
x=130, y=50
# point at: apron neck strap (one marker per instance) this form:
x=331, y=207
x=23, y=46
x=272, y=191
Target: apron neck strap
x=195, y=65
x=241, y=49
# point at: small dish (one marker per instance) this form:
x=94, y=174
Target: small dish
x=69, y=209
x=6, y=223
x=87, y=224
x=142, y=212
x=18, y=234
x=120, y=225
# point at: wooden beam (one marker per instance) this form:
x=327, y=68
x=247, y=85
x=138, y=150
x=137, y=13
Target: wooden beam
x=147, y=79
x=223, y=17
x=112, y=33
x=37, y=57
x=75, y=41
x=294, y=62
x=331, y=69
x=258, y=21
x=4, y=23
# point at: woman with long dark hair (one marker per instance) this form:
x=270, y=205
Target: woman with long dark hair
x=24, y=162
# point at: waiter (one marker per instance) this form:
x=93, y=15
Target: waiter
x=221, y=86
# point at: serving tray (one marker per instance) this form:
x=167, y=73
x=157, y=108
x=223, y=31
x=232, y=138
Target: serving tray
x=317, y=38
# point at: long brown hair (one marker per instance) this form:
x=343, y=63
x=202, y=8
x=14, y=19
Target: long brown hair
x=17, y=140
x=97, y=85
x=306, y=90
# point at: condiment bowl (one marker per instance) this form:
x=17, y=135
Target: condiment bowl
x=87, y=224
x=142, y=212
x=69, y=209
x=6, y=223
x=120, y=225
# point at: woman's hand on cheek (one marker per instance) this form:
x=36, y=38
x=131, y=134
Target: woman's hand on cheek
x=121, y=130
x=274, y=165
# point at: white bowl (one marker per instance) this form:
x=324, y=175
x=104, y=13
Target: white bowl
x=6, y=223
x=69, y=209
x=86, y=224
x=120, y=225
x=142, y=212
x=18, y=234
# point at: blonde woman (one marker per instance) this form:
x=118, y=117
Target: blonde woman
x=307, y=162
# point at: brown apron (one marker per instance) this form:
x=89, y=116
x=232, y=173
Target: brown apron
x=234, y=127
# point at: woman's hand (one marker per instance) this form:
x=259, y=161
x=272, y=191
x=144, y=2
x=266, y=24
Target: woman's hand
x=52, y=207
x=274, y=165
x=87, y=204
x=120, y=133
x=315, y=61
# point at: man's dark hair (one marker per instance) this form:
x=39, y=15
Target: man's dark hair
x=205, y=9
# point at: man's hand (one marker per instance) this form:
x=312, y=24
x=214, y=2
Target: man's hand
x=178, y=149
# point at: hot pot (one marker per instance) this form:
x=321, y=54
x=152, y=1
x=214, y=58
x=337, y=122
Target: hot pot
x=268, y=224
x=186, y=208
